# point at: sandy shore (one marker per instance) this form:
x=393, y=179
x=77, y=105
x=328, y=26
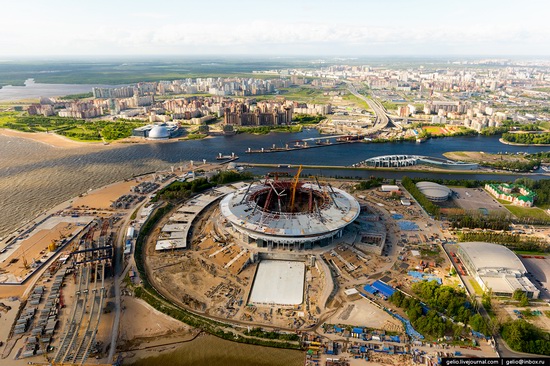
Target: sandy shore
x=51, y=139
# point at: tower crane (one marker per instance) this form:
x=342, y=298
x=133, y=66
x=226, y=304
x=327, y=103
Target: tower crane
x=293, y=188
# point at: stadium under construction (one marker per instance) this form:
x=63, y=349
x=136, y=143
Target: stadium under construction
x=289, y=214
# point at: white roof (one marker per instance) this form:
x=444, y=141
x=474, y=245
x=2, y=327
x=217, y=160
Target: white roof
x=431, y=189
x=389, y=188
x=159, y=132
x=278, y=282
x=488, y=257
x=170, y=244
x=173, y=227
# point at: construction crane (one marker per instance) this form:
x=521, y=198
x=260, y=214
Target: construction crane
x=293, y=188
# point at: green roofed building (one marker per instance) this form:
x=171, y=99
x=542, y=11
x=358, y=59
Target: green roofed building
x=516, y=194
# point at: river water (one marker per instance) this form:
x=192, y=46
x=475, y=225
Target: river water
x=32, y=90
x=210, y=350
x=35, y=177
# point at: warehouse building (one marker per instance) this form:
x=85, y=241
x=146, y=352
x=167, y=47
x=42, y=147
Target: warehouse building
x=497, y=268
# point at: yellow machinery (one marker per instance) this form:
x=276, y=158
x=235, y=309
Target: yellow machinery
x=293, y=188
x=53, y=246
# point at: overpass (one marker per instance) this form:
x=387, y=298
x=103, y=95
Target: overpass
x=382, y=119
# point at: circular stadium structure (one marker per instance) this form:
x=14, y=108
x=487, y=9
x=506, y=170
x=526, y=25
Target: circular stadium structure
x=433, y=191
x=287, y=214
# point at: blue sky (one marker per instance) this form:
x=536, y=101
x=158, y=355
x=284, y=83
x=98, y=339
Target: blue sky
x=283, y=27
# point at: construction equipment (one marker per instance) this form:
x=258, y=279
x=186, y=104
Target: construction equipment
x=25, y=263
x=53, y=246
x=293, y=188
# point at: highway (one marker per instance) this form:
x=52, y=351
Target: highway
x=382, y=119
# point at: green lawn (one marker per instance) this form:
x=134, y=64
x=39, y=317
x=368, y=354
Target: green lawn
x=300, y=94
x=7, y=117
x=477, y=288
x=78, y=130
x=360, y=102
x=530, y=252
x=521, y=212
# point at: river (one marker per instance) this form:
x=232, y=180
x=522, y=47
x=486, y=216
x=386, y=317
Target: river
x=210, y=350
x=32, y=90
x=35, y=177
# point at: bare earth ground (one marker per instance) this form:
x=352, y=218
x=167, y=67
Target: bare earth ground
x=51, y=139
x=103, y=197
x=33, y=248
x=7, y=318
x=363, y=313
x=140, y=320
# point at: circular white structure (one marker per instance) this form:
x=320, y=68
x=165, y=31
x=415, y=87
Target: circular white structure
x=433, y=191
x=159, y=132
x=268, y=214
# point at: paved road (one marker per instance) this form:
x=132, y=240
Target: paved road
x=382, y=118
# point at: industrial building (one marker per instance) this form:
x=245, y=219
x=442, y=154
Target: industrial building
x=433, y=191
x=289, y=214
x=497, y=268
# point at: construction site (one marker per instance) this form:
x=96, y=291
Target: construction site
x=56, y=278
x=271, y=252
x=309, y=258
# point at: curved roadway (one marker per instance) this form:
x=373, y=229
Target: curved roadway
x=382, y=119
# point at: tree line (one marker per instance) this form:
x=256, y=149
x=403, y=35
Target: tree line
x=510, y=241
x=540, y=187
x=447, y=301
x=428, y=205
x=523, y=336
x=473, y=220
x=527, y=138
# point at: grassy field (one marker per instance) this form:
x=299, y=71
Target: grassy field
x=359, y=102
x=522, y=212
x=7, y=118
x=78, y=130
x=530, y=252
x=300, y=94
x=499, y=161
x=476, y=287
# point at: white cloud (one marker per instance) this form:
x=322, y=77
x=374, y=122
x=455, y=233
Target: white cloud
x=203, y=37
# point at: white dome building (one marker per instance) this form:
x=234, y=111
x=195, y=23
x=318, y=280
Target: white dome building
x=433, y=191
x=159, y=132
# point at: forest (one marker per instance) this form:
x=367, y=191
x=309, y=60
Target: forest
x=527, y=138
x=443, y=299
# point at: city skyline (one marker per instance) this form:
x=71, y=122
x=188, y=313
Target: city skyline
x=426, y=28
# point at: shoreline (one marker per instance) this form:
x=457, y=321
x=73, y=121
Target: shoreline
x=51, y=139
x=502, y=141
x=54, y=140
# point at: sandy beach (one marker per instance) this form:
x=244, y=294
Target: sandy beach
x=51, y=139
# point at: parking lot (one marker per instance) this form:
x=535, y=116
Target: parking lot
x=473, y=199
